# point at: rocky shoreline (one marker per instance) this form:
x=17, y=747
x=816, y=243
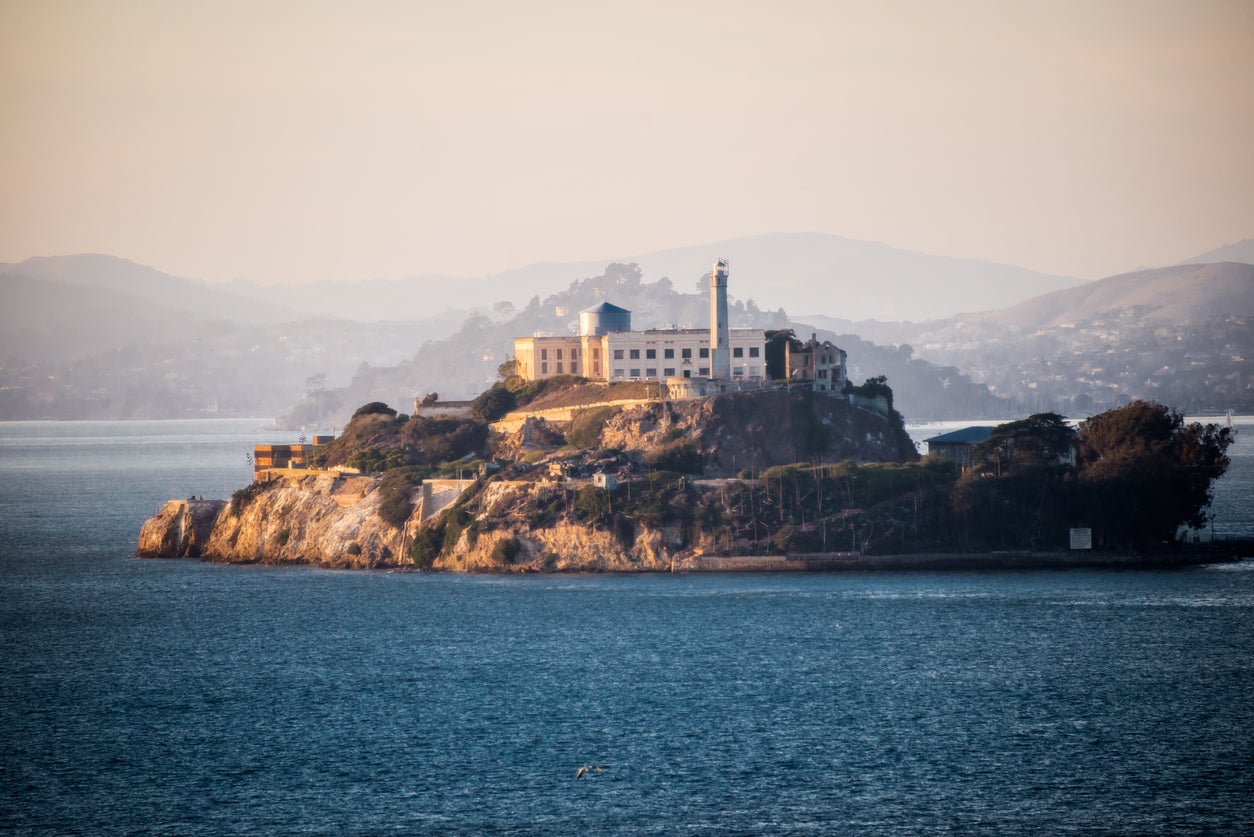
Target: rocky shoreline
x=333, y=523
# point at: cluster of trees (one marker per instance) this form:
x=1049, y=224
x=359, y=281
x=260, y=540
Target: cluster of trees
x=1134, y=475
x=380, y=439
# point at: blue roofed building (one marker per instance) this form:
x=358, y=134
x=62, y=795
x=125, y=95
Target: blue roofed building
x=958, y=445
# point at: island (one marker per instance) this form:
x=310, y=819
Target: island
x=768, y=480
x=679, y=449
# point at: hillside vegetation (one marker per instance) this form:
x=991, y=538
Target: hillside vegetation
x=793, y=473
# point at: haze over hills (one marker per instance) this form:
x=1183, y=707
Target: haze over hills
x=148, y=286
x=1180, y=335
x=809, y=273
x=1182, y=293
x=100, y=337
x=1242, y=251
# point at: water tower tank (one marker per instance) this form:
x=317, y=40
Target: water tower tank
x=605, y=318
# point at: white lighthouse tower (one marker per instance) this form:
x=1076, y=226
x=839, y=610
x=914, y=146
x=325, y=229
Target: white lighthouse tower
x=720, y=342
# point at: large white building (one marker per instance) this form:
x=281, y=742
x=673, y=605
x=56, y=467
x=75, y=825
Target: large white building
x=606, y=349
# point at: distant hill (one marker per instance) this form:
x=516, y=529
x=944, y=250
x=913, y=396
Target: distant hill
x=149, y=285
x=802, y=273
x=1242, y=251
x=45, y=321
x=1178, y=335
x=1184, y=293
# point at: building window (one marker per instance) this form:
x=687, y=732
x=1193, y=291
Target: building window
x=618, y=373
x=753, y=351
x=635, y=373
x=559, y=366
x=754, y=371
x=559, y=354
x=687, y=373
x=596, y=354
x=635, y=354
x=704, y=352
x=574, y=354
x=544, y=368
x=704, y=371
x=650, y=372
x=618, y=354
x=822, y=373
x=738, y=372
x=544, y=354
x=669, y=354
x=738, y=351
x=650, y=354
x=668, y=372
x=687, y=353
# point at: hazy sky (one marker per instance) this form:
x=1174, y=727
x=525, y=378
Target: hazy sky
x=286, y=142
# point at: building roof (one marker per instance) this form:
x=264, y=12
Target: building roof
x=605, y=308
x=966, y=436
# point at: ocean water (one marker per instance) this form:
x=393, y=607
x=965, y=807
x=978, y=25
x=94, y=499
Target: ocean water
x=174, y=697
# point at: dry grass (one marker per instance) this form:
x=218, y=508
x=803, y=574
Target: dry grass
x=592, y=394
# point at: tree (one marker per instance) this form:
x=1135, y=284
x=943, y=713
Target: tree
x=1018, y=493
x=776, y=355
x=1043, y=440
x=493, y=403
x=1144, y=472
x=374, y=407
x=507, y=370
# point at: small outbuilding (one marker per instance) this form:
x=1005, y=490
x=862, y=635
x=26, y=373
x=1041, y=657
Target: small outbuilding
x=958, y=445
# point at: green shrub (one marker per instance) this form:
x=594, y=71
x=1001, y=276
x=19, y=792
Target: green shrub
x=493, y=403
x=676, y=456
x=241, y=498
x=375, y=459
x=505, y=551
x=395, y=507
x=427, y=546
x=591, y=504
x=586, y=426
x=374, y=407
x=624, y=531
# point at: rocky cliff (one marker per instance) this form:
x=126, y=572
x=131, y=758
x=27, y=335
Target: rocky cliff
x=538, y=522
x=757, y=430
x=321, y=520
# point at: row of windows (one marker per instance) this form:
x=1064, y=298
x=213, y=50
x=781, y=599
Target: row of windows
x=669, y=372
x=574, y=354
x=686, y=354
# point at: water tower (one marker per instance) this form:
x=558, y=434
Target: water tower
x=605, y=318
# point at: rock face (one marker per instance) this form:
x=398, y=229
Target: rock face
x=180, y=530
x=535, y=524
x=756, y=430
x=320, y=520
x=557, y=546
